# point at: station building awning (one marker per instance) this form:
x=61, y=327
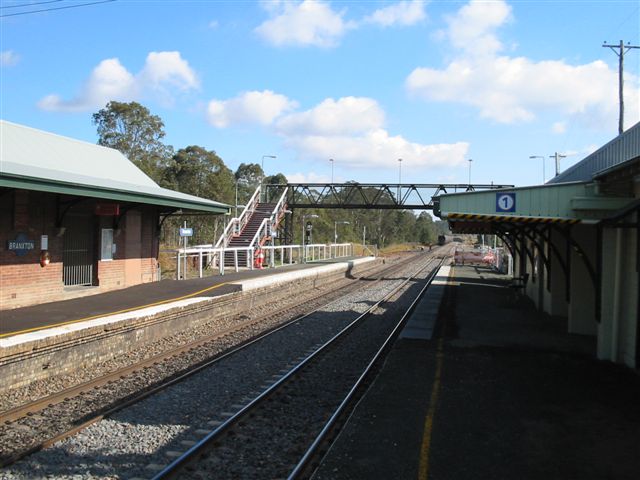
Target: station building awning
x=32, y=159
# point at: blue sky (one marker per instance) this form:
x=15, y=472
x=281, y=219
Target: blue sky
x=364, y=83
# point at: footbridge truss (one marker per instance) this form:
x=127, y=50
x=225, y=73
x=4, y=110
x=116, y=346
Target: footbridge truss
x=414, y=196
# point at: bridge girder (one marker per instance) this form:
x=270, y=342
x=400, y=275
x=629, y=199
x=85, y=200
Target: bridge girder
x=384, y=196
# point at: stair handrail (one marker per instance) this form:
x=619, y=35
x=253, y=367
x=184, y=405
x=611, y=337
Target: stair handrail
x=259, y=233
x=236, y=224
x=279, y=211
x=270, y=223
x=243, y=219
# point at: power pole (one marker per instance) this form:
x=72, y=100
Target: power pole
x=557, y=156
x=620, y=50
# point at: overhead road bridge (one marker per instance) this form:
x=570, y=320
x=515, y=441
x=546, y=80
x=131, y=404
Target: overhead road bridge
x=575, y=242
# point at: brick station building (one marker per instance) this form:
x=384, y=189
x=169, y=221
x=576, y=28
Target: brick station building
x=76, y=218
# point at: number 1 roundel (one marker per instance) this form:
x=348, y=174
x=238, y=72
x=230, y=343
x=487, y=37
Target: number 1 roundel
x=505, y=202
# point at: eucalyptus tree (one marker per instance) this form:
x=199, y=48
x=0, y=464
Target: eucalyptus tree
x=131, y=129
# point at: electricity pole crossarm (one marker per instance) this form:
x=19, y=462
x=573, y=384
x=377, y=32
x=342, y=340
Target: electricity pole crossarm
x=620, y=50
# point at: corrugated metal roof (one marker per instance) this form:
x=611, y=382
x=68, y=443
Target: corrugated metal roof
x=619, y=150
x=38, y=160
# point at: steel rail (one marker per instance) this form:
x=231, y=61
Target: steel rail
x=304, y=462
x=172, y=470
x=60, y=397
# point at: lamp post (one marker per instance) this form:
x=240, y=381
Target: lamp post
x=304, y=217
x=399, y=178
x=335, y=230
x=544, y=175
x=470, y=160
x=331, y=160
x=262, y=169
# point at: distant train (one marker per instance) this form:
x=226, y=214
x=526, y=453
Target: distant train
x=441, y=239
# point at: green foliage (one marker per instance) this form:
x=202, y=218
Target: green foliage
x=136, y=133
x=199, y=172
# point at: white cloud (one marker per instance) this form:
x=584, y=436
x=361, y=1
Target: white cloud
x=249, y=107
x=8, y=58
x=350, y=129
x=515, y=89
x=401, y=13
x=214, y=24
x=559, y=127
x=163, y=69
x=308, y=23
x=311, y=177
x=472, y=28
x=348, y=115
x=377, y=149
x=110, y=80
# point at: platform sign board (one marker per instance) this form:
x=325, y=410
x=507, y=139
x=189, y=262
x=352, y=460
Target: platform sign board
x=21, y=245
x=505, y=202
x=186, y=232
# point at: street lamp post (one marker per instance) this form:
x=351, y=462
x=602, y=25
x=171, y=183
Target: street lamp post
x=335, y=229
x=470, y=160
x=304, y=217
x=544, y=174
x=331, y=160
x=399, y=178
x=262, y=168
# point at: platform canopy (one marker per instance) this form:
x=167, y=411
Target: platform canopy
x=608, y=188
x=32, y=159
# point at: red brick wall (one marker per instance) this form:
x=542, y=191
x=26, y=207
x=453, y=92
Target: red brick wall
x=24, y=282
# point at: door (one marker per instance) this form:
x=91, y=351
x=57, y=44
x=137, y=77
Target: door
x=78, y=251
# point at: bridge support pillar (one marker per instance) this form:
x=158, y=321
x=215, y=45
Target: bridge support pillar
x=618, y=329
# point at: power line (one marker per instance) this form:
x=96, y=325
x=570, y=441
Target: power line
x=30, y=4
x=56, y=8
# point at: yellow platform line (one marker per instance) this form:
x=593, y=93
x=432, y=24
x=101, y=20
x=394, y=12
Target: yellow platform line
x=131, y=309
x=425, y=447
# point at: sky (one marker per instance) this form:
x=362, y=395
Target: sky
x=364, y=83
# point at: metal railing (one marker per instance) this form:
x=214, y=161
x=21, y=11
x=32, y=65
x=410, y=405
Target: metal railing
x=236, y=225
x=206, y=256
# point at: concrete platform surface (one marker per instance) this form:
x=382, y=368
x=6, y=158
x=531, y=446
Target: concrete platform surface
x=500, y=392
x=158, y=295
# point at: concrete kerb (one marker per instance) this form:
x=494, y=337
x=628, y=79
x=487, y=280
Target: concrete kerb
x=62, y=350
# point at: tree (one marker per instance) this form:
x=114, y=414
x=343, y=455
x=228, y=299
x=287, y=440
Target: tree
x=131, y=129
x=247, y=177
x=201, y=172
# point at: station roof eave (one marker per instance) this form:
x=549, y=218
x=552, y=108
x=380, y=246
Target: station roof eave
x=565, y=203
x=167, y=200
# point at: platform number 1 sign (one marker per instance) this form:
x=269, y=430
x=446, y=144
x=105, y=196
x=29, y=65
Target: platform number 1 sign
x=505, y=202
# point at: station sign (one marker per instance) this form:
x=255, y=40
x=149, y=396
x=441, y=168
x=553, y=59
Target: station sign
x=186, y=232
x=21, y=245
x=505, y=202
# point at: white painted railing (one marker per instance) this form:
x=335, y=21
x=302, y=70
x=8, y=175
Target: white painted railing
x=208, y=256
x=236, y=225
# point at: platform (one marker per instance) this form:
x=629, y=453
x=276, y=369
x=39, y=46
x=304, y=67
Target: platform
x=500, y=392
x=157, y=296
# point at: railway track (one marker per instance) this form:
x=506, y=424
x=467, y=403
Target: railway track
x=41, y=424
x=278, y=434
